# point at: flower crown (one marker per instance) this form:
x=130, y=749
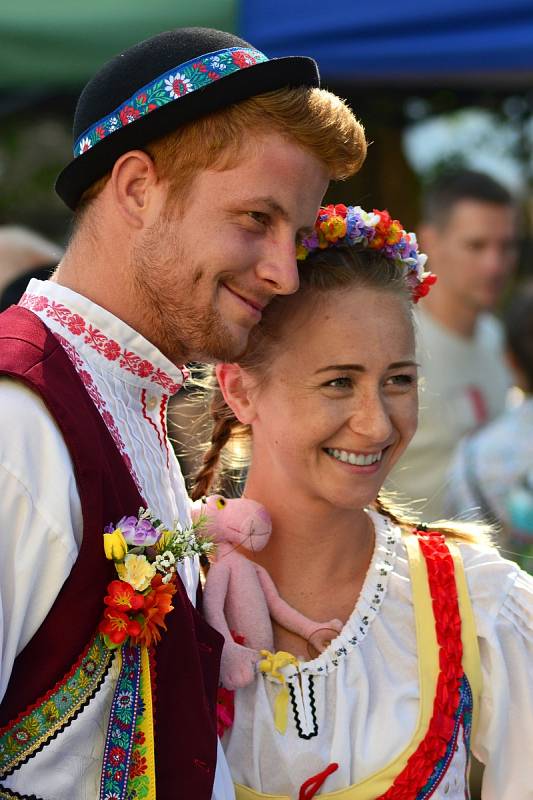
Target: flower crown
x=346, y=226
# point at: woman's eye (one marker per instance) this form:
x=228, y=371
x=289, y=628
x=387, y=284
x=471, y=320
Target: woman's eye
x=343, y=382
x=401, y=380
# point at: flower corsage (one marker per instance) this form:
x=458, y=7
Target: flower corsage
x=146, y=554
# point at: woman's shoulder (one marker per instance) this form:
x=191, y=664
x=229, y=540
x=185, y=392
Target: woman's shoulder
x=501, y=592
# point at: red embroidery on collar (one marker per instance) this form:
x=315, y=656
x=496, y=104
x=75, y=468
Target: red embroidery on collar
x=100, y=404
x=98, y=341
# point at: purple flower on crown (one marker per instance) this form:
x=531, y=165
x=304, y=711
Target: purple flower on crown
x=359, y=225
x=138, y=532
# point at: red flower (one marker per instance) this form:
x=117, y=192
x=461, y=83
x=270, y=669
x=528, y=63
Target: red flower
x=141, y=99
x=138, y=764
x=76, y=324
x=118, y=626
x=157, y=604
x=139, y=737
x=111, y=350
x=123, y=597
x=213, y=75
x=129, y=114
x=200, y=67
x=117, y=755
x=100, y=132
x=144, y=369
x=243, y=59
x=225, y=710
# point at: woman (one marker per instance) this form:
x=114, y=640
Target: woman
x=328, y=394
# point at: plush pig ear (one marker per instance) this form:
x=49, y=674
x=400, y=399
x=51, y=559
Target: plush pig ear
x=234, y=384
x=198, y=509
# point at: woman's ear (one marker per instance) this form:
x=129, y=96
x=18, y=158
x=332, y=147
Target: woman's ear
x=235, y=385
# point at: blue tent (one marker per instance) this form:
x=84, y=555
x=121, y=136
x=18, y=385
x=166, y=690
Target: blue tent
x=411, y=41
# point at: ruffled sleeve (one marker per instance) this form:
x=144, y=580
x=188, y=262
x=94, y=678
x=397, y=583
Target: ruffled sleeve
x=502, y=597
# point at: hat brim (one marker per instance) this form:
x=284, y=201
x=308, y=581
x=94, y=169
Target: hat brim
x=291, y=71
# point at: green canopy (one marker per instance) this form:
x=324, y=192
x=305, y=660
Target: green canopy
x=57, y=44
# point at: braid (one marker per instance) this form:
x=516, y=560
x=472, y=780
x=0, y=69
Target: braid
x=476, y=532
x=224, y=421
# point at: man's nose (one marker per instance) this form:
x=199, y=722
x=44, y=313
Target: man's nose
x=279, y=268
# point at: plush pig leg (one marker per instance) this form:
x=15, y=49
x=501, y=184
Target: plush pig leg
x=237, y=666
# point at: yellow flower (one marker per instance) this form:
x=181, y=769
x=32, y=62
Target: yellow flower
x=115, y=545
x=164, y=541
x=137, y=571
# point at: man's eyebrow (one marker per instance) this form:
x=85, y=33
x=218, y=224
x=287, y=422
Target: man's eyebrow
x=273, y=205
x=276, y=208
x=361, y=368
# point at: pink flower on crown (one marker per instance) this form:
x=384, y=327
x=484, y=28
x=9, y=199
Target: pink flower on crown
x=177, y=85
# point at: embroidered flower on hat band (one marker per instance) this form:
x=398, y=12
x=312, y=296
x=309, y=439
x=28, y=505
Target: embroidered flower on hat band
x=347, y=226
x=169, y=87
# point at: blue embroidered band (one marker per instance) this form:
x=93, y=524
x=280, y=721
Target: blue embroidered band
x=173, y=84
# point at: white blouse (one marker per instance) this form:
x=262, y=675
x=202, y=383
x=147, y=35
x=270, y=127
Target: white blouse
x=357, y=703
x=130, y=382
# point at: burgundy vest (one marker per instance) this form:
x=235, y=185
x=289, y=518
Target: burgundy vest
x=188, y=656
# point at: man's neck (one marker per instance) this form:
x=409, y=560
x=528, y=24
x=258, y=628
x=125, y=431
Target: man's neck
x=451, y=314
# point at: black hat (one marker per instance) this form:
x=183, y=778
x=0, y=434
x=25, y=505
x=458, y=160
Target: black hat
x=162, y=83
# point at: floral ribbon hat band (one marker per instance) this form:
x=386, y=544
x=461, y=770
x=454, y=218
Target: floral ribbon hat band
x=348, y=226
x=162, y=83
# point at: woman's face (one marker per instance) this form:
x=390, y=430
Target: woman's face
x=339, y=404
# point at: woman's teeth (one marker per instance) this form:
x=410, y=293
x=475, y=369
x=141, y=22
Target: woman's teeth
x=359, y=459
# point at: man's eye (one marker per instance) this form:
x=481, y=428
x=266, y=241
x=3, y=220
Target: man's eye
x=259, y=217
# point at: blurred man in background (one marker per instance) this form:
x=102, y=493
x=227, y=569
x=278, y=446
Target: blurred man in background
x=469, y=232
x=492, y=471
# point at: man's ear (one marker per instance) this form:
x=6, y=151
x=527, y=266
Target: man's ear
x=133, y=183
x=235, y=385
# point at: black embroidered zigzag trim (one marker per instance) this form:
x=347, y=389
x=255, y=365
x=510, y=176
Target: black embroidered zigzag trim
x=7, y=794
x=54, y=736
x=314, y=732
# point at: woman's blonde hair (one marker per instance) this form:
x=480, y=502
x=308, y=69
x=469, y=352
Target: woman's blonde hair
x=316, y=119
x=324, y=271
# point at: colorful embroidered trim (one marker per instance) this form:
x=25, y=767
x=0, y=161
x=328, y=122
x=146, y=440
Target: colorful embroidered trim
x=141, y=783
x=463, y=719
x=121, y=726
x=98, y=341
x=168, y=87
x=34, y=728
x=447, y=704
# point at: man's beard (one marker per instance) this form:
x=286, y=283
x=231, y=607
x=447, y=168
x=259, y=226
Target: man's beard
x=170, y=319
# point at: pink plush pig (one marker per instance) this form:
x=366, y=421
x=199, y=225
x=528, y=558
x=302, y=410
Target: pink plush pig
x=240, y=595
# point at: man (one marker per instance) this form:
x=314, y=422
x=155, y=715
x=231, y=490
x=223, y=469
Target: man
x=468, y=231
x=198, y=165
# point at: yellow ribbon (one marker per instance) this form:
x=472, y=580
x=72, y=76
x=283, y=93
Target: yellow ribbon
x=271, y=664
